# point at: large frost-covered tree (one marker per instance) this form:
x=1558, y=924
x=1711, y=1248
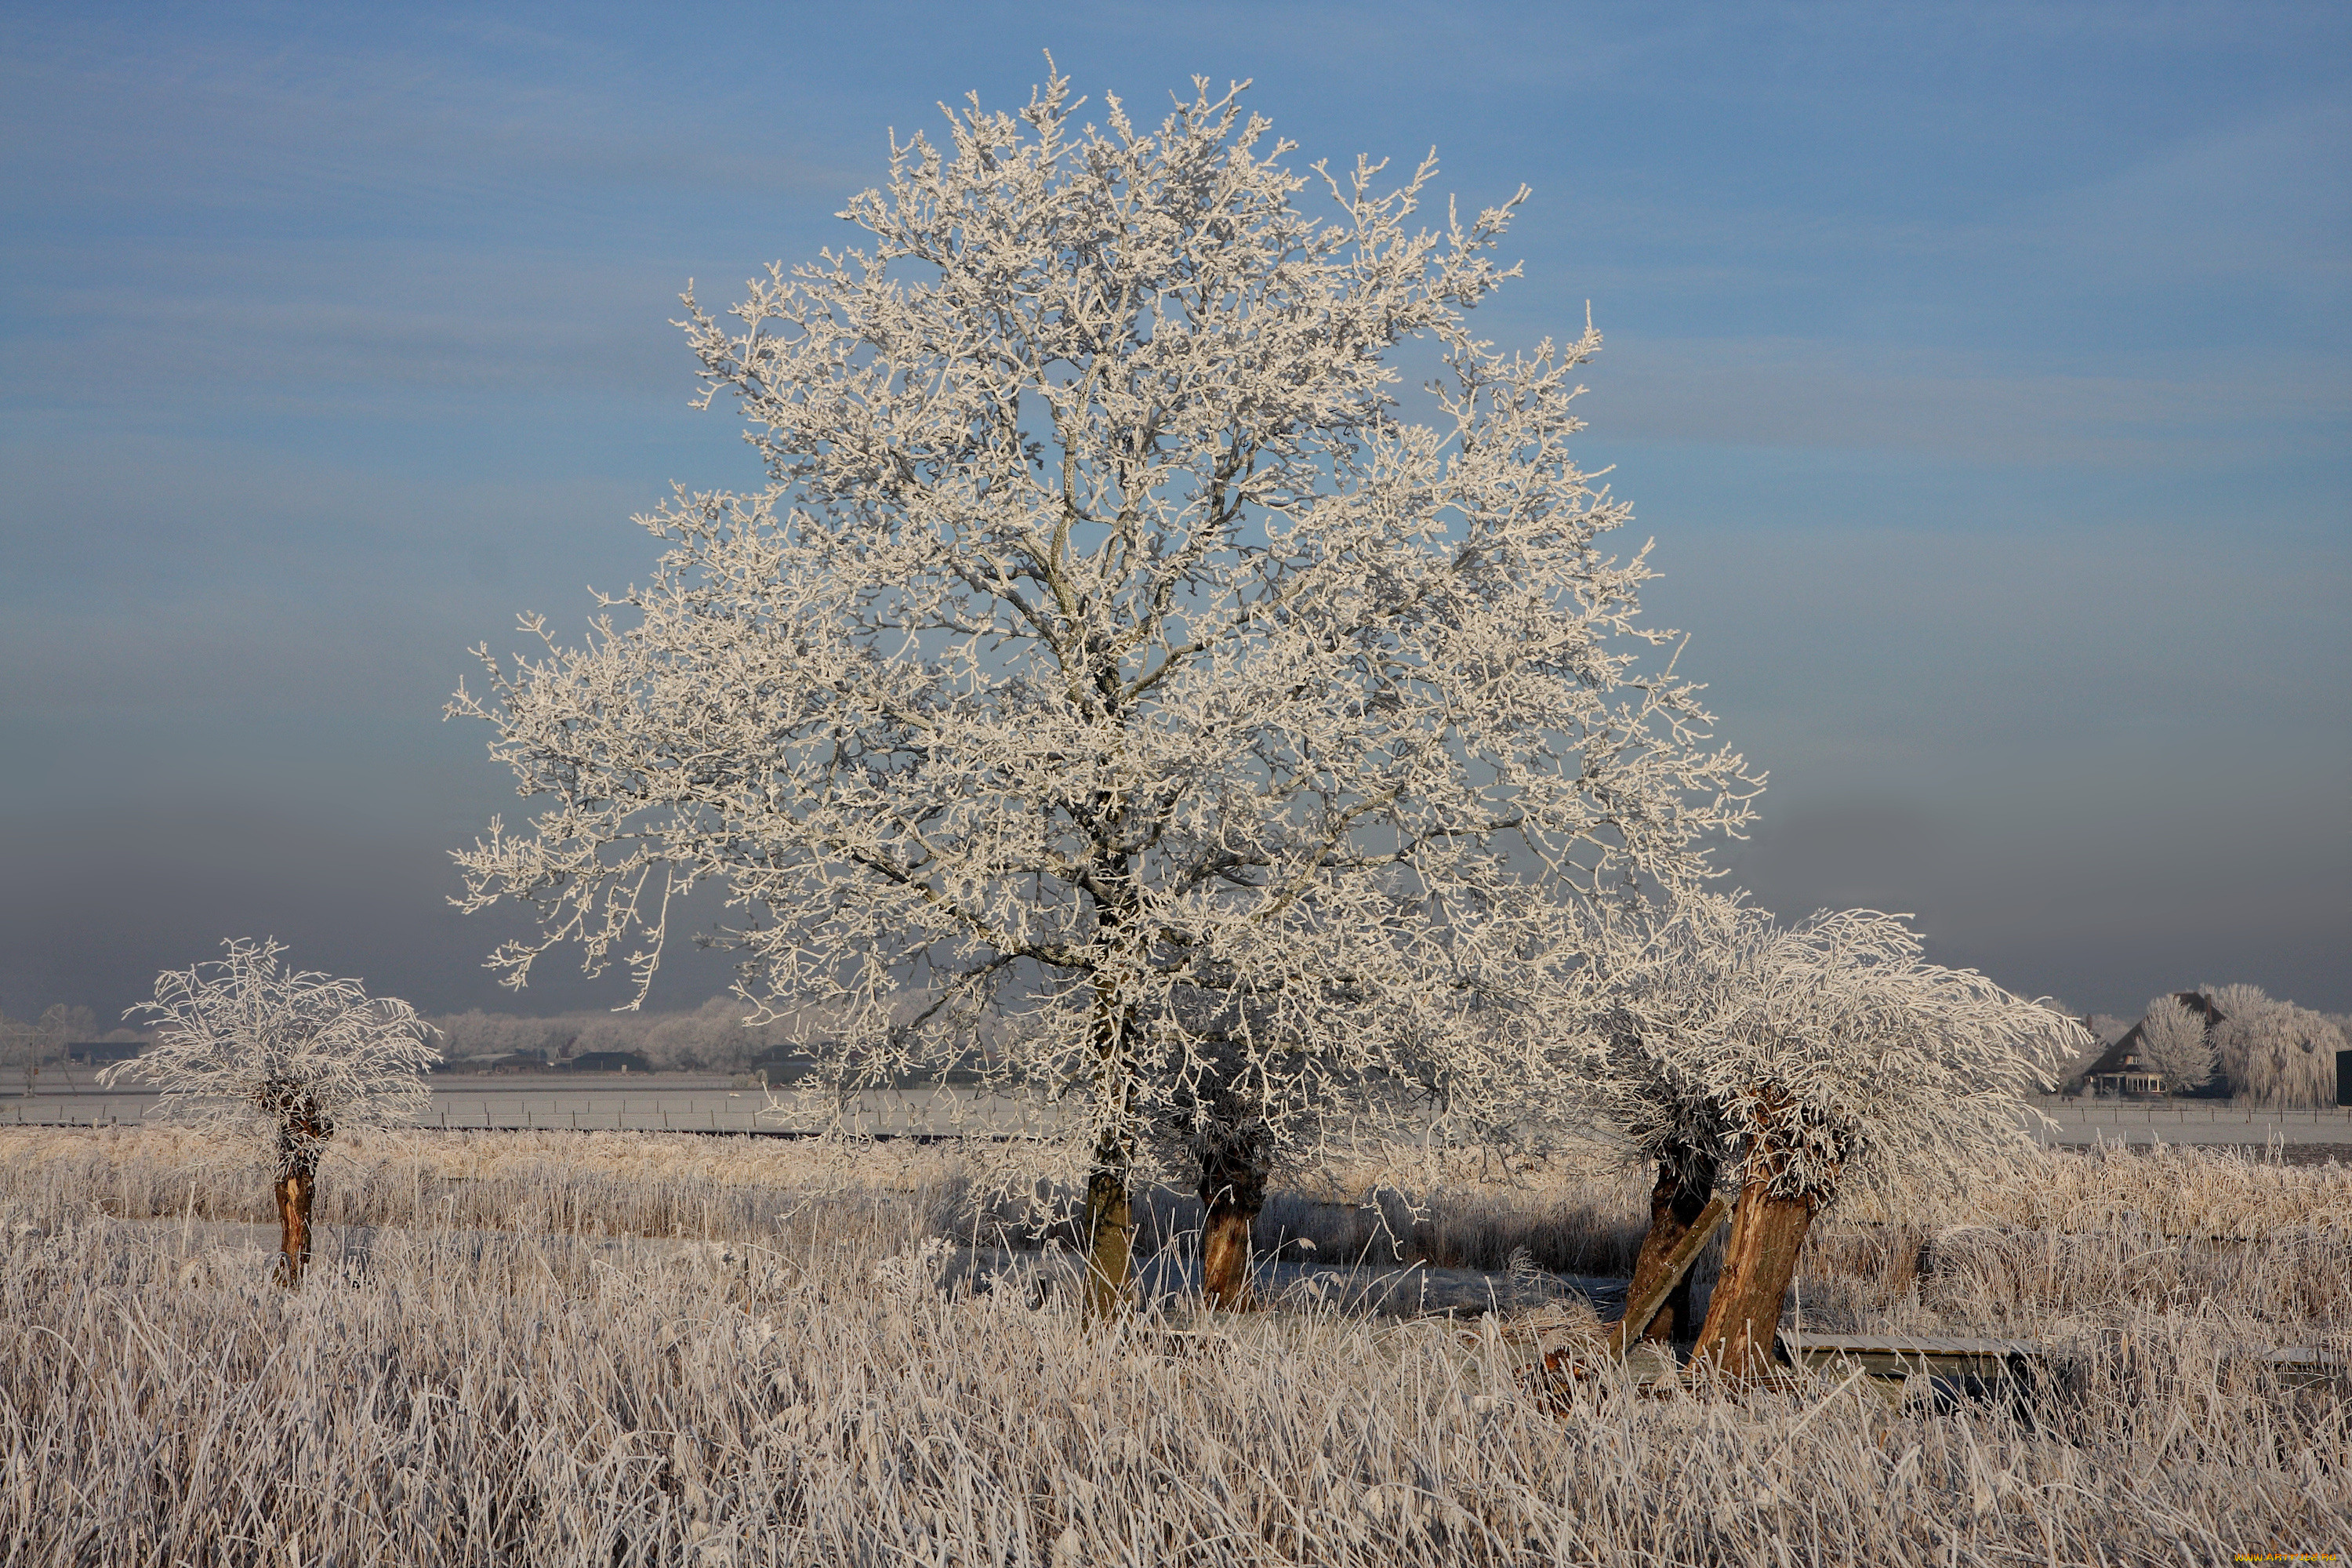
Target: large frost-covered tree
x=1797, y=1061
x=1113, y=692
x=2274, y=1053
x=280, y=1060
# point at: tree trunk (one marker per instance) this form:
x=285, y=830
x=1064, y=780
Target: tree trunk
x=302, y=1128
x=1232, y=1188
x=296, y=1184
x=1226, y=1257
x=1111, y=1234
x=1110, y=1210
x=1674, y=1203
x=1766, y=1234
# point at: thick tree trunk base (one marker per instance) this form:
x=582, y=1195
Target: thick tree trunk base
x=1110, y=1244
x=1226, y=1257
x=294, y=1189
x=1231, y=1191
x=1758, y=1262
x=1674, y=1206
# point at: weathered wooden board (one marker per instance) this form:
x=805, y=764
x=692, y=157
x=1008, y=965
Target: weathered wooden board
x=1915, y=1355
x=1986, y=1363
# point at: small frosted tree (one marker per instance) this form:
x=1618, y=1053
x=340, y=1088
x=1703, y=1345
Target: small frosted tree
x=1112, y=694
x=2173, y=1040
x=1854, y=1061
x=20, y=1044
x=1799, y=1061
x=280, y=1061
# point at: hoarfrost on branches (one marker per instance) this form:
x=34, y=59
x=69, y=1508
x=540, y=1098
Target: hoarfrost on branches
x=276, y=1057
x=1802, y=1060
x=1112, y=694
x=2173, y=1039
x=2274, y=1053
x=281, y=1059
x=1812, y=1055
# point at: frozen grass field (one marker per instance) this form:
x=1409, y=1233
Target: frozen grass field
x=615, y=1349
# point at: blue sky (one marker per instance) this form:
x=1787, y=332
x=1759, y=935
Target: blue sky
x=1981, y=373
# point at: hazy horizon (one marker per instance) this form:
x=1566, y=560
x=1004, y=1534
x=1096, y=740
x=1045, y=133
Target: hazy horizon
x=1983, y=377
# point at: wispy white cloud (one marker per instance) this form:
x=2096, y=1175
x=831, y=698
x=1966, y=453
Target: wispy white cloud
x=2267, y=200
x=1843, y=395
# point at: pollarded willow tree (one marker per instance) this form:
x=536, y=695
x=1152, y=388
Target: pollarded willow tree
x=1650, y=991
x=1112, y=694
x=1799, y=1062
x=280, y=1060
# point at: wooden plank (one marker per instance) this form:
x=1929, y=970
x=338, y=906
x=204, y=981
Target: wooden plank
x=1638, y=1313
x=1987, y=1361
x=1926, y=1344
x=1917, y=1356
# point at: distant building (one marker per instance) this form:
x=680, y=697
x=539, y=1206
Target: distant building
x=2123, y=1073
x=99, y=1053
x=608, y=1061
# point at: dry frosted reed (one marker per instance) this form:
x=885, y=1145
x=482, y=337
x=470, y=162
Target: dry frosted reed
x=468, y=1396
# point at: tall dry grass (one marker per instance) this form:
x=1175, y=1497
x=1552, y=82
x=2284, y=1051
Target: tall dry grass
x=2069, y=1238
x=619, y=1184
x=525, y=1394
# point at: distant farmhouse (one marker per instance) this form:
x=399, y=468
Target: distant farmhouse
x=99, y=1053
x=2122, y=1072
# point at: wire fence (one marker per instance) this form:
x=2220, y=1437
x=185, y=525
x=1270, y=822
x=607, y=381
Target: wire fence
x=2194, y=1121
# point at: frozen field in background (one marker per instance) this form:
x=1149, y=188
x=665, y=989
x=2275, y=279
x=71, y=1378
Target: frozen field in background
x=687, y=1102
x=672, y=1102
x=2190, y=1121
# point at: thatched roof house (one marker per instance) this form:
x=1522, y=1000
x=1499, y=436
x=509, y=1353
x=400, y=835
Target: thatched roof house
x=2123, y=1070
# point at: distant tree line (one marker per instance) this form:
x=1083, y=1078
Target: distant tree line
x=712, y=1037
x=28, y=1046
